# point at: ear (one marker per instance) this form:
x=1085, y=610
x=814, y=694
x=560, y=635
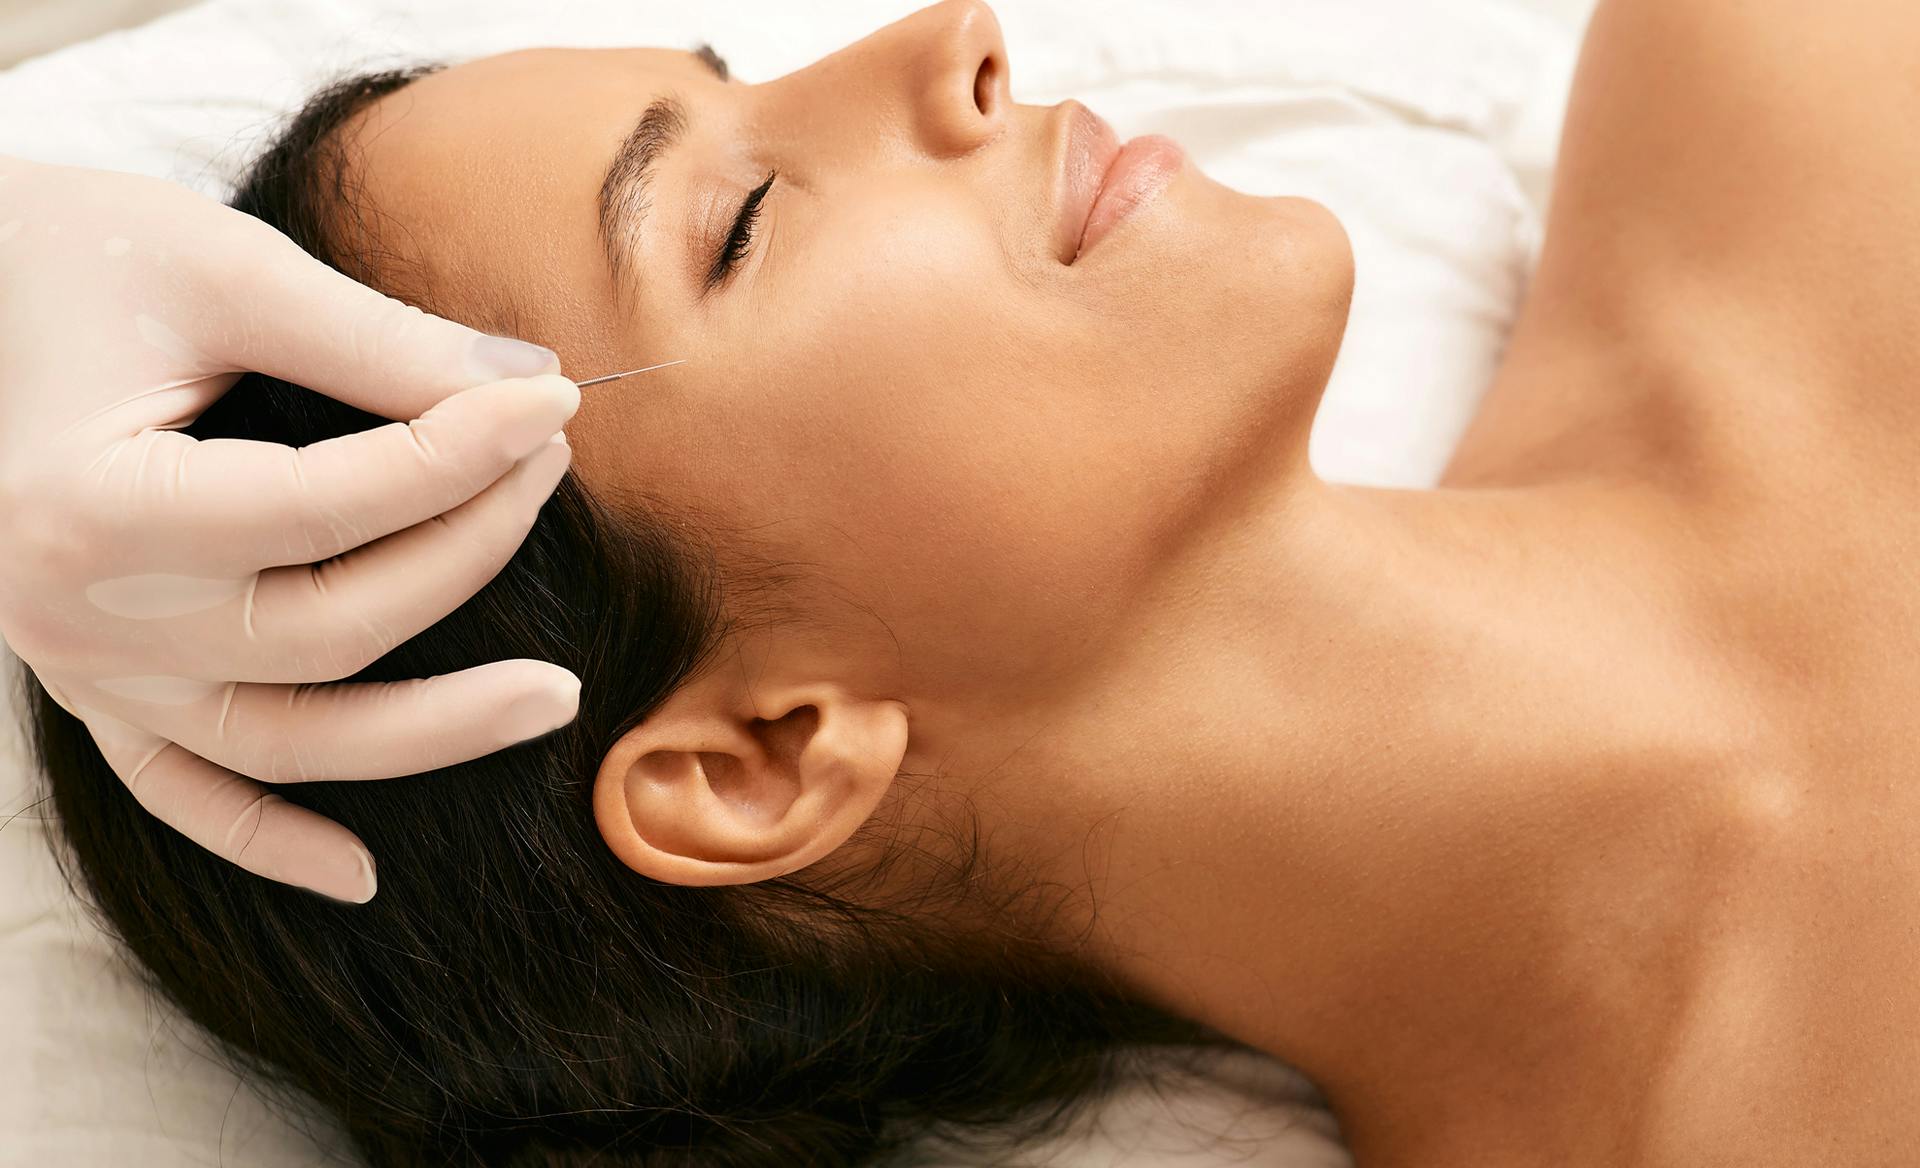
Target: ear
x=721, y=787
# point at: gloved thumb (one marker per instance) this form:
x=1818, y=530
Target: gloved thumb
x=304, y=322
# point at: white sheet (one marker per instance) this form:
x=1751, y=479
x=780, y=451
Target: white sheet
x=1429, y=129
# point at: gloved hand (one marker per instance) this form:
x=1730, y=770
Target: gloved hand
x=170, y=592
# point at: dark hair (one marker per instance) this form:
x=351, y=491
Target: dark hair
x=517, y=996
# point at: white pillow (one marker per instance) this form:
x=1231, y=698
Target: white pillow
x=1428, y=129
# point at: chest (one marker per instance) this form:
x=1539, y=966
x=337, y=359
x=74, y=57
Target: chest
x=1800, y=1040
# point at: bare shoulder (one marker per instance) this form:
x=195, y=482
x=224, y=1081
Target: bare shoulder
x=1735, y=220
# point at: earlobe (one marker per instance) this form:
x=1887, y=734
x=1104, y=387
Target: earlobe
x=707, y=792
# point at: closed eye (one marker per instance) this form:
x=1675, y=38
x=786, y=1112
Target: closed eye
x=740, y=239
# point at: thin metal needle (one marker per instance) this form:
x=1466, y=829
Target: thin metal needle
x=629, y=373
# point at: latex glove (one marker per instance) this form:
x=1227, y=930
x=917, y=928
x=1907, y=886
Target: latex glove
x=169, y=592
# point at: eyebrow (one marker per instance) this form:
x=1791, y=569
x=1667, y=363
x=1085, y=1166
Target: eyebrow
x=624, y=190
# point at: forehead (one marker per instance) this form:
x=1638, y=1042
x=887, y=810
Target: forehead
x=476, y=187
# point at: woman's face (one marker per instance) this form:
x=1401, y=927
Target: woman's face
x=906, y=381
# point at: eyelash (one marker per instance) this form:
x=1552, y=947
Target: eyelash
x=741, y=237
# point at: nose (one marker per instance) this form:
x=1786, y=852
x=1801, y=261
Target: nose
x=953, y=61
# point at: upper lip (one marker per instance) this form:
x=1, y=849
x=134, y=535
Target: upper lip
x=1088, y=147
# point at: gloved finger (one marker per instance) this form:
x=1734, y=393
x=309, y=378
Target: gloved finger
x=227, y=507
x=233, y=817
x=321, y=622
x=353, y=730
x=295, y=318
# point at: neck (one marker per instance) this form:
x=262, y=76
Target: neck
x=1390, y=784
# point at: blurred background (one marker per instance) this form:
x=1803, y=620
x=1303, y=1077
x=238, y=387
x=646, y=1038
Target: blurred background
x=29, y=28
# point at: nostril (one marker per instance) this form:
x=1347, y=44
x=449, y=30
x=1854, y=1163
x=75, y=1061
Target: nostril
x=983, y=84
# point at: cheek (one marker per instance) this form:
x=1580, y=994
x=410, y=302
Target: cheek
x=918, y=427
x=904, y=384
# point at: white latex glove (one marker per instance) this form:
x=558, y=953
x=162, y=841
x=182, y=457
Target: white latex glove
x=170, y=592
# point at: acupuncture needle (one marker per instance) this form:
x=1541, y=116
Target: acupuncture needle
x=628, y=373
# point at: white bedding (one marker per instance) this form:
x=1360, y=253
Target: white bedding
x=1429, y=129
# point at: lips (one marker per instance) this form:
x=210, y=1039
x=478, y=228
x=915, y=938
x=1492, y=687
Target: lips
x=1091, y=147
x=1103, y=180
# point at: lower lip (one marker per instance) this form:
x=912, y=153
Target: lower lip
x=1142, y=169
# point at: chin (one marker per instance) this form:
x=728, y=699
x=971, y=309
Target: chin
x=1321, y=247
x=1312, y=259
x=1294, y=248
x=1292, y=319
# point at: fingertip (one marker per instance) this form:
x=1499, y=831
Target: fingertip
x=550, y=701
x=544, y=468
x=496, y=358
x=524, y=413
x=321, y=857
x=357, y=886
x=565, y=393
x=371, y=875
x=560, y=451
x=570, y=691
x=563, y=686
